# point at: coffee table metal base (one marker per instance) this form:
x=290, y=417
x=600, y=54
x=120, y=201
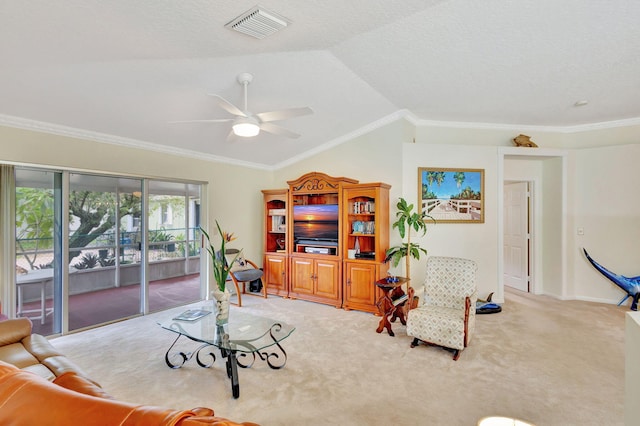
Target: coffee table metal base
x=205, y=357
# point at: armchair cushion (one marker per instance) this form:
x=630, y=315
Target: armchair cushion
x=441, y=325
x=236, y=260
x=240, y=264
x=248, y=274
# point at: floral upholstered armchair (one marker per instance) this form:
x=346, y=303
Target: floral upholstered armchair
x=446, y=315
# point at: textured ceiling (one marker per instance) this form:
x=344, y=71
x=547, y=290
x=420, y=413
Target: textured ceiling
x=119, y=71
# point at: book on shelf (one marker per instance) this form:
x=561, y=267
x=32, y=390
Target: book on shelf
x=192, y=315
x=366, y=207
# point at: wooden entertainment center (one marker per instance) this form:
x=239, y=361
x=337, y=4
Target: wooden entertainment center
x=325, y=240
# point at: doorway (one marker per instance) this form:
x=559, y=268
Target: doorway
x=545, y=170
x=517, y=235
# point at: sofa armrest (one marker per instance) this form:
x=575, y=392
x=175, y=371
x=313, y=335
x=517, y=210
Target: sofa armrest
x=212, y=420
x=14, y=330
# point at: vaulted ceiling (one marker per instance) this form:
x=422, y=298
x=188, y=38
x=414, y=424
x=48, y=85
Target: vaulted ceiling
x=121, y=71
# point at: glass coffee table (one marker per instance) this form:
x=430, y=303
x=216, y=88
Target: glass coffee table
x=239, y=341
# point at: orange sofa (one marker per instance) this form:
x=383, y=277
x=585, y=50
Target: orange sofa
x=56, y=392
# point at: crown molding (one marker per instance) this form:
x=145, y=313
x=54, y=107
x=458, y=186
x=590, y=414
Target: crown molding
x=522, y=127
x=628, y=122
x=56, y=129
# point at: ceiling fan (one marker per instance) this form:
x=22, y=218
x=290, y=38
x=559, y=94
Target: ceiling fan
x=247, y=124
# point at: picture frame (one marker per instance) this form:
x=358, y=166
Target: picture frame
x=451, y=195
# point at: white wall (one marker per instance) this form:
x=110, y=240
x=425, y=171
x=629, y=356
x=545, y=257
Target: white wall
x=374, y=157
x=552, y=261
x=605, y=203
x=476, y=241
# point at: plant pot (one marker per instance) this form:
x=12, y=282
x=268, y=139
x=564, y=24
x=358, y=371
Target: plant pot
x=221, y=311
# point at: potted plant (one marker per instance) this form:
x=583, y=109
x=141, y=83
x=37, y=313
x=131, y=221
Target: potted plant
x=407, y=220
x=220, y=272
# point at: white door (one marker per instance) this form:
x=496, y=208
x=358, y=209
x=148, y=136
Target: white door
x=516, y=235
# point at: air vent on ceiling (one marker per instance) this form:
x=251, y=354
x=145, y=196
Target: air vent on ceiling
x=258, y=22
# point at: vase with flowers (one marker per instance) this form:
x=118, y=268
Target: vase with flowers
x=220, y=272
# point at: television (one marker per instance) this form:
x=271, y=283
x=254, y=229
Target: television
x=315, y=222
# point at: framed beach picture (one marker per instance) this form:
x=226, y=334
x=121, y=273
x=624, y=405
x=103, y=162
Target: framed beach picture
x=452, y=195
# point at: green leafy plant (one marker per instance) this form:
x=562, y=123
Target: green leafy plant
x=88, y=261
x=194, y=249
x=107, y=261
x=406, y=221
x=220, y=265
x=159, y=236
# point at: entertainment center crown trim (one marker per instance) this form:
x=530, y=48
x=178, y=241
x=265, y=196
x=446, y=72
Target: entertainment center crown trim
x=337, y=233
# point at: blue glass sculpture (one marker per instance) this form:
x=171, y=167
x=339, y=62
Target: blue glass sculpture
x=629, y=284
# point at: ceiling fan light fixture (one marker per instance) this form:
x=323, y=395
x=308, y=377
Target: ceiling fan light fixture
x=246, y=127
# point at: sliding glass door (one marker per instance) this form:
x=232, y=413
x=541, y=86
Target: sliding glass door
x=38, y=217
x=174, y=249
x=104, y=249
x=81, y=257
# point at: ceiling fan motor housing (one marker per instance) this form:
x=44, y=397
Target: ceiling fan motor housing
x=245, y=77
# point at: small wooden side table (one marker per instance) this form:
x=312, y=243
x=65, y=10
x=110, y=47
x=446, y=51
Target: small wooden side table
x=391, y=303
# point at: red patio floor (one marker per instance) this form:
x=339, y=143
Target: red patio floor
x=98, y=307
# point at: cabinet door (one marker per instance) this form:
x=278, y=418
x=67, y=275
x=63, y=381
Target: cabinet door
x=275, y=274
x=360, y=283
x=302, y=275
x=327, y=273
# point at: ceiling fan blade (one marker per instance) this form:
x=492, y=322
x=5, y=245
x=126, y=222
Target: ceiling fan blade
x=231, y=108
x=284, y=114
x=219, y=120
x=231, y=136
x=278, y=130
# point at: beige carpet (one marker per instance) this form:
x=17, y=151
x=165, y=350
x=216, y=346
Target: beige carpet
x=545, y=361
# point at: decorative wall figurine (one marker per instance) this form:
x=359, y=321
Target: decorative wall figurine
x=525, y=141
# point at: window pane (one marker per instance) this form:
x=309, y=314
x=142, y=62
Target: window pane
x=38, y=280
x=174, y=262
x=104, y=252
